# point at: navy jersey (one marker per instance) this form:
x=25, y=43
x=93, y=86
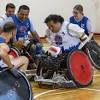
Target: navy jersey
x=82, y=23
x=23, y=27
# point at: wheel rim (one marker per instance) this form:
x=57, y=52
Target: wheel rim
x=94, y=58
x=80, y=67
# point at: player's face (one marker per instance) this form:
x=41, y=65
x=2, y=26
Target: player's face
x=11, y=35
x=10, y=11
x=14, y=33
x=23, y=14
x=77, y=14
x=54, y=27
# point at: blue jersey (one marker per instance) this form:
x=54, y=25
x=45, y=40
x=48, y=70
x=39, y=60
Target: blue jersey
x=82, y=23
x=2, y=40
x=23, y=27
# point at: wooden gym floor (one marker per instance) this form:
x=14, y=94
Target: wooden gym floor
x=89, y=93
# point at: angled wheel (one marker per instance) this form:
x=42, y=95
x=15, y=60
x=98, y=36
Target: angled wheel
x=94, y=57
x=13, y=88
x=80, y=68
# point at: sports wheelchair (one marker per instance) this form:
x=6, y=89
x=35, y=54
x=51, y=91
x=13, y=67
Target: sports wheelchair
x=66, y=70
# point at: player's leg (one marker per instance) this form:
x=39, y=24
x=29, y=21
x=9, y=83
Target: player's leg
x=21, y=63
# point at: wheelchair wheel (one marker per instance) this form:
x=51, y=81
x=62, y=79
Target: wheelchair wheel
x=80, y=68
x=95, y=59
x=12, y=88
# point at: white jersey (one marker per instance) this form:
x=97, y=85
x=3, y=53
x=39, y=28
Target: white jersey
x=67, y=37
x=4, y=19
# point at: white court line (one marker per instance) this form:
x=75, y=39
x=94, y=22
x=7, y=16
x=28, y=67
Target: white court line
x=43, y=93
x=96, y=90
x=62, y=92
x=38, y=95
x=89, y=89
x=51, y=91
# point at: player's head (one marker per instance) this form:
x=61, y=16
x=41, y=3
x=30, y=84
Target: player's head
x=9, y=30
x=54, y=22
x=78, y=11
x=10, y=9
x=23, y=12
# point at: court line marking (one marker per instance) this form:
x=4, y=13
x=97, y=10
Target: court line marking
x=90, y=89
x=43, y=93
x=38, y=95
x=62, y=92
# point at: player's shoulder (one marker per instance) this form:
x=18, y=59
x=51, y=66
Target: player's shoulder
x=72, y=17
x=48, y=31
x=3, y=17
x=85, y=18
x=4, y=46
x=65, y=24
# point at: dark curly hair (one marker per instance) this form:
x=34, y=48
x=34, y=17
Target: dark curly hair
x=24, y=7
x=54, y=18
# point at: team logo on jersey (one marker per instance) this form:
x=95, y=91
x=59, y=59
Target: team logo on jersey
x=82, y=26
x=58, y=39
x=23, y=29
